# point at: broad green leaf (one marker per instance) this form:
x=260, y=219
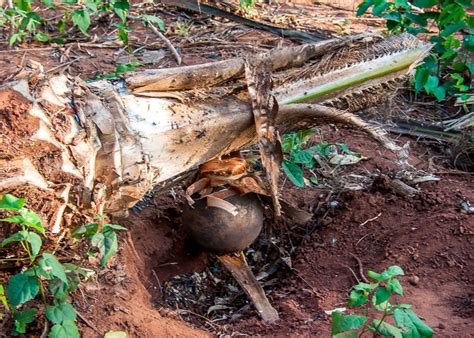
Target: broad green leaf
x=14, y=219
x=453, y=28
x=110, y=246
x=287, y=142
x=50, y=264
x=366, y=287
x=26, y=316
x=440, y=93
x=313, y=179
x=109, y=227
x=121, y=8
x=10, y=202
x=410, y=325
x=382, y=295
x=395, y=286
x=57, y=314
x=123, y=35
x=417, y=18
x=92, y=5
x=22, y=288
x=58, y=289
x=401, y=306
x=294, y=173
x=363, y=7
x=81, y=19
x=342, y=323
x=421, y=76
x=468, y=43
x=357, y=298
x=43, y=37
x=67, y=329
x=16, y=37
x=115, y=334
x=425, y=3
x=35, y=242
x=386, y=329
x=125, y=68
x=24, y=5
x=402, y=3
x=465, y=3
x=392, y=271
x=379, y=7
x=32, y=220
x=303, y=157
x=17, y=237
x=87, y=230
x=22, y=318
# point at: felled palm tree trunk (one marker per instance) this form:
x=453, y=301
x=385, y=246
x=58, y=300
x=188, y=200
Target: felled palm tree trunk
x=75, y=149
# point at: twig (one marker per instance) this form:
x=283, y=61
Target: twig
x=184, y=311
x=160, y=35
x=88, y=323
x=63, y=65
x=158, y=280
x=360, y=240
x=316, y=293
x=353, y=273
x=167, y=42
x=370, y=220
x=361, y=268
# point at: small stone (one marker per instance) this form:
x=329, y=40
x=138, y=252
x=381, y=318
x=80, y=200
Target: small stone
x=441, y=326
x=414, y=280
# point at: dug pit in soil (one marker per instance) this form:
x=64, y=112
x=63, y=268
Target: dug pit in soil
x=306, y=270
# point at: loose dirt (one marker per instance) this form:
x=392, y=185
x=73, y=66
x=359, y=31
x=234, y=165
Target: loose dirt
x=428, y=235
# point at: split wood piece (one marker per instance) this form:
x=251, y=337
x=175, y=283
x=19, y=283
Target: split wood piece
x=399, y=187
x=239, y=268
x=215, y=73
x=265, y=109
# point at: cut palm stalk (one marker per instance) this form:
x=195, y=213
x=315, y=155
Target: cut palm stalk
x=113, y=147
x=237, y=265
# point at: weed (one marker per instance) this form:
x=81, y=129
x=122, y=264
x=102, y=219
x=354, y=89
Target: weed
x=385, y=285
x=183, y=27
x=44, y=274
x=24, y=21
x=246, y=5
x=299, y=157
x=448, y=69
x=128, y=67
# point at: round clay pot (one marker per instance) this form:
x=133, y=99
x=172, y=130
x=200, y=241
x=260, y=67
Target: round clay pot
x=218, y=231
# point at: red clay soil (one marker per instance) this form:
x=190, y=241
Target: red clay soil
x=428, y=235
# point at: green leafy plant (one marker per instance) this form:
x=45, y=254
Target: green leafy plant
x=102, y=236
x=448, y=69
x=297, y=156
x=44, y=275
x=246, y=5
x=25, y=22
x=378, y=295
x=127, y=67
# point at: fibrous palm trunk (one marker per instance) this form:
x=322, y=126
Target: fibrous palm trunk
x=77, y=149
